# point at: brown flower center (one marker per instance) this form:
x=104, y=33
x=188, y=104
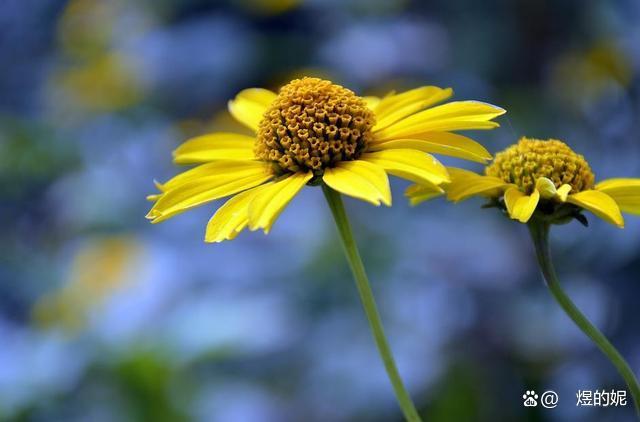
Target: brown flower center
x=312, y=125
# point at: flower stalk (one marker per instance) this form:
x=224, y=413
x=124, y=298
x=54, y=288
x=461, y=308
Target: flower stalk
x=368, y=302
x=540, y=235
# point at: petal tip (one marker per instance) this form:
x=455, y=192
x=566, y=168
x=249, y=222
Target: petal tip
x=230, y=106
x=158, y=185
x=498, y=109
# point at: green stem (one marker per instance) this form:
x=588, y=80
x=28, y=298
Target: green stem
x=369, y=303
x=540, y=235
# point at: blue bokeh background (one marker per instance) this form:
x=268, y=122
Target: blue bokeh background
x=104, y=317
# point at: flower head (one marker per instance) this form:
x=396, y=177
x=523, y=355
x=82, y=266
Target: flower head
x=331, y=123
x=312, y=132
x=527, y=161
x=542, y=178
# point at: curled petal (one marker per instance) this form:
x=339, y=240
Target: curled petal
x=520, y=206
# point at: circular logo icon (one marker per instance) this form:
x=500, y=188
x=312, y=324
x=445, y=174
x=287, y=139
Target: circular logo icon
x=549, y=399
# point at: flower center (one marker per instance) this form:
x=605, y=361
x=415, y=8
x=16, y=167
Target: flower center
x=312, y=125
x=523, y=163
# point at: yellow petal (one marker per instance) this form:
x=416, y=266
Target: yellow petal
x=397, y=107
x=155, y=196
x=361, y=180
x=546, y=187
x=626, y=193
x=445, y=143
x=222, y=169
x=249, y=106
x=232, y=217
x=409, y=164
x=527, y=206
x=520, y=206
x=194, y=194
x=563, y=192
x=548, y=190
x=458, y=115
x=158, y=185
x=465, y=183
x=215, y=146
x=618, y=183
x=599, y=203
x=421, y=193
x=372, y=102
x=511, y=197
x=202, y=190
x=267, y=205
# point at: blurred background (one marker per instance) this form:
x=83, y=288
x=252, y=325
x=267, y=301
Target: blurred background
x=104, y=317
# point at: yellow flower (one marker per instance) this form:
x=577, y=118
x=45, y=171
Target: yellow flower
x=543, y=177
x=98, y=271
x=314, y=132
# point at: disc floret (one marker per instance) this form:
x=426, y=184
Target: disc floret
x=312, y=125
x=524, y=163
